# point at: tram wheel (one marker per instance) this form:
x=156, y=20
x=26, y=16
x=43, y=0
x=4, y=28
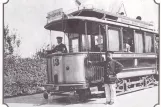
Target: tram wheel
x=45, y=95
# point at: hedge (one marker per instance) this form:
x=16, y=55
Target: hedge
x=23, y=75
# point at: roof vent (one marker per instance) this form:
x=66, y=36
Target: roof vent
x=122, y=13
x=138, y=17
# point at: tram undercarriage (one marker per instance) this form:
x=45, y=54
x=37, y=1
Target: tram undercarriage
x=135, y=83
x=123, y=86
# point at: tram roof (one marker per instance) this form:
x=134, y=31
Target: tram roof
x=99, y=13
x=94, y=15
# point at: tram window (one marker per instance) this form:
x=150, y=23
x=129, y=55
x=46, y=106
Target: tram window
x=98, y=43
x=75, y=46
x=128, y=44
x=86, y=43
x=138, y=38
x=114, y=40
x=149, y=44
x=73, y=42
x=97, y=39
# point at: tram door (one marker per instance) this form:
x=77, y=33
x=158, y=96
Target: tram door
x=96, y=72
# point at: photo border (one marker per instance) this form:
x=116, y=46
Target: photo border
x=3, y=2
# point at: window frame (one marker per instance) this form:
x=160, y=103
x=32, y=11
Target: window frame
x=116, y=28
x=70, y=42
x=143, y=39
x=152, y=41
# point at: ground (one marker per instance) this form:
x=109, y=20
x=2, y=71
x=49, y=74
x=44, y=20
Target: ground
x=143, y=98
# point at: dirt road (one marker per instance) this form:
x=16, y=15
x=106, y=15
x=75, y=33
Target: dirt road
x=143, y=98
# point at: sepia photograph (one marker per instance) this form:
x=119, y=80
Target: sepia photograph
x=81, y=53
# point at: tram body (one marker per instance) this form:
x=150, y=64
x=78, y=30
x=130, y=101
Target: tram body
x=93, y=36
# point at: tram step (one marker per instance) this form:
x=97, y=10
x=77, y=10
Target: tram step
x=97, y=92
x=61, y=93
x=93, y=89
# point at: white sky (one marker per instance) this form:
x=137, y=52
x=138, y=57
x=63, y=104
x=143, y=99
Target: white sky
x=29, y=17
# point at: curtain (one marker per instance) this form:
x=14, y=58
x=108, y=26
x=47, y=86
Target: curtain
x=138, y=42
x=148, y=43
x=113, y=40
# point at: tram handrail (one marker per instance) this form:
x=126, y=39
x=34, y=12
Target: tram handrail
x=138, y=68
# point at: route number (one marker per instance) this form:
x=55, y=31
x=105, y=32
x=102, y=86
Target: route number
x=56, y=62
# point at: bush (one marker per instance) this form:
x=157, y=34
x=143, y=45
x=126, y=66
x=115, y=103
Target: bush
x=23, y=75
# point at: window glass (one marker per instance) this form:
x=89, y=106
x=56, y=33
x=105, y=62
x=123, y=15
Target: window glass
x=86, y=43
x=148, y=42
x=98, y=43
x=73, y=42
x=114, y=43
x=128, y=44
x=138, y=42
x=75, y=45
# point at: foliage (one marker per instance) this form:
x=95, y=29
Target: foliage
x=11, y=40
x=23, y=75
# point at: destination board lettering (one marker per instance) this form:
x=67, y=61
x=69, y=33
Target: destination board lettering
x=135, y=23
x=125, y=21
x=54, y=15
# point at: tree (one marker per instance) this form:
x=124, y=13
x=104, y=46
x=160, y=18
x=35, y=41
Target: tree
x=11, y=40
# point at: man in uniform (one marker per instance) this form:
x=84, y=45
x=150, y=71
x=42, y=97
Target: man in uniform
x=59, y=48
x=112, y=68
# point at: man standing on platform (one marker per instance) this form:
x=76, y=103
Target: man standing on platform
x=59, y=48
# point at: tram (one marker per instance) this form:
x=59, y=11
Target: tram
x=91, y=32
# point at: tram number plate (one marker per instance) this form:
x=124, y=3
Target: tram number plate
x=56, y=62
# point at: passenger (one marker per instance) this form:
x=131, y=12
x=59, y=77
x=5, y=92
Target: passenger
x=112, y=67
x=59, y=48
x=127, y=47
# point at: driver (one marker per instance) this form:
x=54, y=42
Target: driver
x=60, y=47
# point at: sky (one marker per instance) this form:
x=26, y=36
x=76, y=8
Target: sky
x=28, y=17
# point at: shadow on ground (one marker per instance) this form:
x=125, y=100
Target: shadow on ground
x=38, y=100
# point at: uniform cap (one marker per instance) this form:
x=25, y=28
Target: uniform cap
x=59, y=37
x=109, y=52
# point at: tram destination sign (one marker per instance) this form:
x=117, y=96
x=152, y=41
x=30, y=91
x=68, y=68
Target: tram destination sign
x=135, y=23
x=53, y=15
